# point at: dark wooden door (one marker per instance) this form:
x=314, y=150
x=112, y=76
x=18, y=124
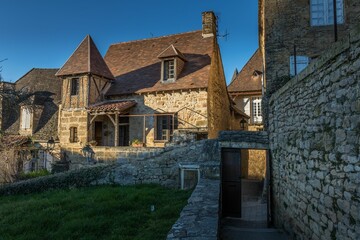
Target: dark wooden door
x=124, y=135
x=231, y=182
x=98, y=133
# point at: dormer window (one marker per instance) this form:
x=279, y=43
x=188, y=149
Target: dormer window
x=169, y=70
x=172, y=63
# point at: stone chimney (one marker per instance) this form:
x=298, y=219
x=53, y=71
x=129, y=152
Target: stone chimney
x=209, y=24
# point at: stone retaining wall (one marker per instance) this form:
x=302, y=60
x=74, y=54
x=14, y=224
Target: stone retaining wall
x=200, y=217
x=314, y=131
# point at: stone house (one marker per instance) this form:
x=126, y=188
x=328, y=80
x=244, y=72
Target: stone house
x=294, y=33
x=245, y=90
x=149, y=91
x=29, y=107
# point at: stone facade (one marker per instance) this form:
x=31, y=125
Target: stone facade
x=219, y=115
x=284, y=24
x=190, y=107
x=314, y=123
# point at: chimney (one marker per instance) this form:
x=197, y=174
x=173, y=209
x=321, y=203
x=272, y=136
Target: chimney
x=208, y=24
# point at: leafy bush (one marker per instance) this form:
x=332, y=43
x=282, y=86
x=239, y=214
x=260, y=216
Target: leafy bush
x=34, y=174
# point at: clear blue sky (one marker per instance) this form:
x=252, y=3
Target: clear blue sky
x=44, y=33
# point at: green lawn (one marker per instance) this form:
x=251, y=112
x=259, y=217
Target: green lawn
x=102, y=212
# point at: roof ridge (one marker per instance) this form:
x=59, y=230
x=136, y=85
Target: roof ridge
x=146, y=39
x=89, y=53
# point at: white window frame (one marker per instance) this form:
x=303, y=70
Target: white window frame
x=168, y=72
x=322, y=13
x=256, y=109
x=25, y=118
x=301, y=63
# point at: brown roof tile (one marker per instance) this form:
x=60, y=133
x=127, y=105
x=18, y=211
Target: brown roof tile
x=120, y=106
x=137, y=68
x=86, y=59
x=246, y=80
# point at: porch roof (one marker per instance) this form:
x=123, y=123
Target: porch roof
x=115, y=106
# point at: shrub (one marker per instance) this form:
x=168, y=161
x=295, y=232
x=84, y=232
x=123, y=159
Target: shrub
x=34, y=174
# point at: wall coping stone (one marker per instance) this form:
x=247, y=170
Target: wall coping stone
x=200, y=217
x=248, y=137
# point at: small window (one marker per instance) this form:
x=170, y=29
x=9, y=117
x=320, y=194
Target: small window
x=301, y=64
x=25, y=118
x=74, y=86
x=169, y=69
x=164, y=127
x=256, y=106
x=73, y=135
x=322, y=12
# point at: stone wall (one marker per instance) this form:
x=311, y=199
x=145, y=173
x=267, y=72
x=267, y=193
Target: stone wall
x=285, y=23
x=314, y=124
x=73, y=118
x=190, y=107
x=218, y=101
x=194, y=221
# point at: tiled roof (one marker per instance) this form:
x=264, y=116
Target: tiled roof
x=42, y=82
x=118, y=106
x=86, y=59
x=245, y=79
x=137, y=67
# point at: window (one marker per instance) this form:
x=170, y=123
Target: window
x=256, y=107
x=73, y=134
x=164, y=127
x=169, y=69
x=74, y=86
x=25, y=118
x=301, y=64
x=322, y=12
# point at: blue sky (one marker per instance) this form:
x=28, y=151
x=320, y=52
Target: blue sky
x=44, y=33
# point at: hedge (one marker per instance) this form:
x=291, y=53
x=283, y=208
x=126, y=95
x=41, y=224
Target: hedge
x=70, y=179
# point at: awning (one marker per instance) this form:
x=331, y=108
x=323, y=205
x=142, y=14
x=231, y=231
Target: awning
x=111, y=107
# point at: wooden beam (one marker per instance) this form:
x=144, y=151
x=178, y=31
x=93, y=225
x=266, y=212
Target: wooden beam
x=93, y=118
x=116, y=130
x=112, y=120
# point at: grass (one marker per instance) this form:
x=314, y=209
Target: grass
x=100, y=212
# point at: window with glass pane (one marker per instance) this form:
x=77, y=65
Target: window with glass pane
x=164, y=127
x=74, y=86
x=169, y=69
x=256, y=107
x=322, y=12
x=301, y=64
x=73, y=135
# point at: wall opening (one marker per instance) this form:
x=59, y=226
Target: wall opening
x=245, y=188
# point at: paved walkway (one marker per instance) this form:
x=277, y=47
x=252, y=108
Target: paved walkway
x=253, y=222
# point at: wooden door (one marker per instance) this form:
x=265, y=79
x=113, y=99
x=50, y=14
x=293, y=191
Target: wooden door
x=98, y=133
x=231, y=182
